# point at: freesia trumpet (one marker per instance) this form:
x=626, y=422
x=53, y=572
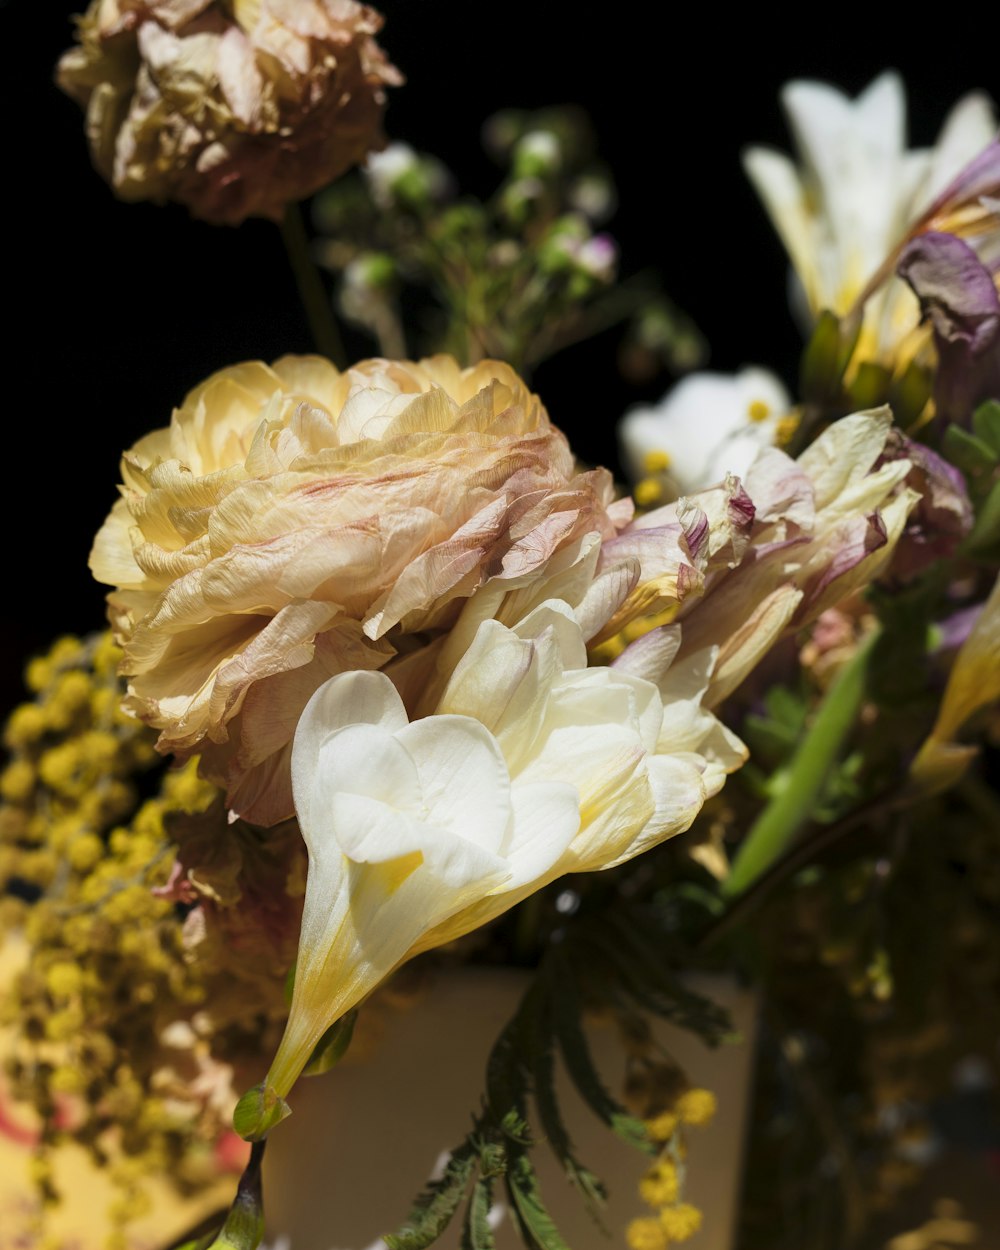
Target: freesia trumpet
x=531, y=766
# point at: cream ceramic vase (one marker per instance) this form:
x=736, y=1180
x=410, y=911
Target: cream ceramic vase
x=364, y=1138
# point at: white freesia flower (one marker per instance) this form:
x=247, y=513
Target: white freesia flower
x=532, y=765
x=856, y=192
x=709, y=425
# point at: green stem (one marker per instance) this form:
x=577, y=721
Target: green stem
x=316, y=303
x=791, y=807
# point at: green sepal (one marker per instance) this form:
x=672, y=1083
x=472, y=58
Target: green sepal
x=823, y=361
x=332, y=1046
x=258, y=1111
x=909, y=394
x=986, y=424
x=870, y=386
x=967, y=451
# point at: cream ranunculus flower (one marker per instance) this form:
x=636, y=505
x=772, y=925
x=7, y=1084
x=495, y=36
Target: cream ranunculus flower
x=233, y=108
x=530, y=766
x=856, y=192
x=295, y=522
x=708, y=425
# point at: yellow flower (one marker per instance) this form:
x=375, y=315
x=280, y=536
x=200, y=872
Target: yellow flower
x=232, y=107
x=295, y=522
x=660, y=1185
x=696, y=1106
x=663, y=1126
x=645, y=1234
x=680, y=1222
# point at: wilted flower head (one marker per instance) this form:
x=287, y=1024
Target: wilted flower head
x=295, y=522
x=857, y=192
x=233, y=108
x=529, y=765
x=743, y=564
x=708, y=425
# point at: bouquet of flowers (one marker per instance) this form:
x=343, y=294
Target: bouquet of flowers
x=388, y=670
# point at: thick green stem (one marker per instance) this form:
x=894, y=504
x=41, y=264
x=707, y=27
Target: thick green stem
x=791, y=807
x=317, y=305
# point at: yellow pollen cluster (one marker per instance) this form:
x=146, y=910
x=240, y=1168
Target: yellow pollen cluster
x=656, y=461
x=758, y=411
x=786, y=428
x=647, y=492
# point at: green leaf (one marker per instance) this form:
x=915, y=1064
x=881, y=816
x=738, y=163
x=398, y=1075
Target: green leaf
x=986, y=424
x=567, y=1011
x=543, y=1070
x=966, y=451
x=332, y=1046
x=476, y=1232
x=537, y=1226
x=986, y=530
x=433, y=1210
x=506, y=1077
x=788, y=811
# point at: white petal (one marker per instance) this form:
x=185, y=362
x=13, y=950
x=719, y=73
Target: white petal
x=546, y=819
x=463, y=776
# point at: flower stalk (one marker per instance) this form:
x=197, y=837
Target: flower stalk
x=791, y=806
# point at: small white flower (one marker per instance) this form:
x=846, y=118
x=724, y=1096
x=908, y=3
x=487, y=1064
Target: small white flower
x=709, y=425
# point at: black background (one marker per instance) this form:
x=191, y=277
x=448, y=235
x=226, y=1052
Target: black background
x=115, y=310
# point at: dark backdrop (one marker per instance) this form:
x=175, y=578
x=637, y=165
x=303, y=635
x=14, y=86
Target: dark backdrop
x=114, y=311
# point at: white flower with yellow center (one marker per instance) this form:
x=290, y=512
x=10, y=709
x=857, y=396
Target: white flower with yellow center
x=856, y=192
x=709, y=425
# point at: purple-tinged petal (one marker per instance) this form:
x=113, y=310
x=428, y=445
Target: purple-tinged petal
x=955, y=629
x=942, y=517
x=958, y=295
x=979, y=180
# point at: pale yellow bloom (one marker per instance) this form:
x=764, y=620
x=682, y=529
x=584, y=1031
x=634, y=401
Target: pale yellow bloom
x=973, y=684
x=295, y=522
x=234, y=109
x=530, y=765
